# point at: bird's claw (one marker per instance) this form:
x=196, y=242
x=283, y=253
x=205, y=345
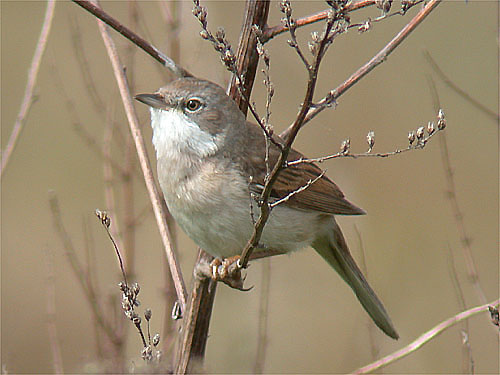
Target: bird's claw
x=228, y=271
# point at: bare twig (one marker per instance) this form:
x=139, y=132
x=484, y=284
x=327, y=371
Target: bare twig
x=145, y=165
x=452, y=85
x=425, y=338
x=222, y=45
x=265, y=208
x=260, y=358
x=457, y=213
x=467, y=359
x=80, y=130
x=80, y=273
x=109, y=195
x=196, y=321
x=271, y=32
x=30, y=85
x=417, y=141
x=134, y=38
x=379, y=58
x=459, y=220
x=51, y=315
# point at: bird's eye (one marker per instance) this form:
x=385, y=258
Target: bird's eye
x=192, y=105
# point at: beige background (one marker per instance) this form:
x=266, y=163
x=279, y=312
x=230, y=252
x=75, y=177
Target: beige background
x=315, y=323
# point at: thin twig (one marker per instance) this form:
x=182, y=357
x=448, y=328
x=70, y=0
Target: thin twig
x=418, y=145
x=79, y=272
x=425, y=338
x=379, y=58
x=134, y=38
x=55, y=345
x=30, y=85
x=262, y=340
x=465, y=239
x=271, y=32
x=265, y=208
x=457, y=213
x=493, y=115
x=109, y=196
x=145, y=164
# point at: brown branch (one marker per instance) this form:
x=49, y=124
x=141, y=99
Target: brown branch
x=379, y=58
x=425, y=338
x=271, y=32
x=256, y=13
x=265, y=208
x=134, y=38
x=30, y=85
x=197, y=320
x=154, y=195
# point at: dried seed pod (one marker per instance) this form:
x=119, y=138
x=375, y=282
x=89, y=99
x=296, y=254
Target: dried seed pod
x=147, y=314
x=431, y=128
x=156, y=339
x=420, y=133
x=441, y=124
x=204, y=34
x=345, y=146
x=220, y=34
x=365, y=26
x=370, y=139
x=411, y=137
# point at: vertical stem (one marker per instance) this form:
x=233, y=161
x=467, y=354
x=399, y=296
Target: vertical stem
x=195, y=328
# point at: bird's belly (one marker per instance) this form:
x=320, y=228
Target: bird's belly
x=220, y=218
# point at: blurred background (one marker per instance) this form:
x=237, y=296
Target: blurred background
x=410, y=237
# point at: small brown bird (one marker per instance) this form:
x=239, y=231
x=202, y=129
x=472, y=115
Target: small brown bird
x=211, y=160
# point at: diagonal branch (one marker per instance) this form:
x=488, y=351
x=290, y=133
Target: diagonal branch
x=30, y=85
x=154, y=194
x=425, y=338
x=271, y=32
x=134, y=38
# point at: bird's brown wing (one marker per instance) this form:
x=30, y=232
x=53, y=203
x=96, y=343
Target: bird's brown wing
x=323, y=195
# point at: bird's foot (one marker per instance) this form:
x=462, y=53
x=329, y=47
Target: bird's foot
x=228, y=271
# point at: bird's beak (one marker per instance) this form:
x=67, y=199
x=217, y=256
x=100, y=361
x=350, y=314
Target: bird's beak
x=153, y=100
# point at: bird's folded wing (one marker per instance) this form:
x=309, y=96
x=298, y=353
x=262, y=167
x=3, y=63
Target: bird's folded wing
x=322, y=195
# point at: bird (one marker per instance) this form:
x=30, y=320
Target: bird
x=212, y=163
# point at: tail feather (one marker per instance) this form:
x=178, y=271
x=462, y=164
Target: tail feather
x=334, y=250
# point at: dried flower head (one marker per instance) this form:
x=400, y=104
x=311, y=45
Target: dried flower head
x=370, y=139
x=147, y=314
x=431, y=128
x=204, y=34
x=411, y=137
x=156, y=339
x=147, y=353
x=345, y=146
x=103, y=217
x=365, y=26
x=384, y=5
x=420, y=133
x=441, y=124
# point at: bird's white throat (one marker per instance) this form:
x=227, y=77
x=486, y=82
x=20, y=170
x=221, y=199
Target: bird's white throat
x=174, y=134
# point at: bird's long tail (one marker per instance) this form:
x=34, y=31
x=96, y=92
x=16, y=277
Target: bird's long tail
x=333, y=248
